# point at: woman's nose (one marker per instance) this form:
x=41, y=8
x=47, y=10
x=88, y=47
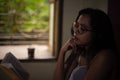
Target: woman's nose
x=75, y=33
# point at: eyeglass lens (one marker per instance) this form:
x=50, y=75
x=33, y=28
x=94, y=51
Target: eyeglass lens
x=79, y=28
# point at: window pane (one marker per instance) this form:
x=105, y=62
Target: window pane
x=24, y=18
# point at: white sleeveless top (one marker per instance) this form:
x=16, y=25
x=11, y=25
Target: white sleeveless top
x=78, y=73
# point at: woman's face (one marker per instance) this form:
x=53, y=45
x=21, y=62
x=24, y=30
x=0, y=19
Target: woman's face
x=82, y=31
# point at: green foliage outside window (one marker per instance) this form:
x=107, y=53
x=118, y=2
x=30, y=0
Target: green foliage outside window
x=24, y=15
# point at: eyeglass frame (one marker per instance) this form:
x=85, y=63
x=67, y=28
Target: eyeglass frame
x=81, y=28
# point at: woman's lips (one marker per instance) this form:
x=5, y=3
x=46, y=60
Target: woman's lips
x=75, y=38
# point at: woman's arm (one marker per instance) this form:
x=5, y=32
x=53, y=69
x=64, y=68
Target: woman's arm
x=60, y=71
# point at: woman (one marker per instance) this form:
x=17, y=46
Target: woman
x=94, y=56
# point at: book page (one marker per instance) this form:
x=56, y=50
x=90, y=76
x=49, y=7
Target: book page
x=13, y=63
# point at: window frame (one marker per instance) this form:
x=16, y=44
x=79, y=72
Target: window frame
x=57, y=31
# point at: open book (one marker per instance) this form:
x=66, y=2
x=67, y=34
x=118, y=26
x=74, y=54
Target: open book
x=11, y=62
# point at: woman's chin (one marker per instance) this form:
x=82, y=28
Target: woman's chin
x=82, y=45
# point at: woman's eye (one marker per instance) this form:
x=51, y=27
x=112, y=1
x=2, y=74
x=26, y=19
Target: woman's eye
x=83, y=28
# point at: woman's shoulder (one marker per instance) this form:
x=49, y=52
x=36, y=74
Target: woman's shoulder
x=104, y=56
x=103, y=66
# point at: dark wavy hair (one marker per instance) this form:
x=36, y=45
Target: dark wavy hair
x=103, y=37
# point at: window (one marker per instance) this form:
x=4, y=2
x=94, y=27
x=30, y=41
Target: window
x=26, y=23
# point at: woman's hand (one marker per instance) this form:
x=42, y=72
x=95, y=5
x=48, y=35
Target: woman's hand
x=60, y=70
x=70, y=44
x=60, y=67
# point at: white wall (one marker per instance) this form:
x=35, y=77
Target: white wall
x=40, y=70
x=44, y=70
x=71, y=9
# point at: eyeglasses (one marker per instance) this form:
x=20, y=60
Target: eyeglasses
x=80, y=28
